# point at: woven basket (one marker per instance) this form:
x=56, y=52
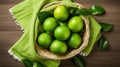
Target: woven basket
x=44, y=53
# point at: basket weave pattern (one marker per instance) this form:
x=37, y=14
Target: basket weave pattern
x=49, y=55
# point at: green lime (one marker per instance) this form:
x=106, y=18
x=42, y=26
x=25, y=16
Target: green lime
x=50, y=24
x=62, y=32
x=58, y=47
x=76, y=24
x=75, y=40
x=44, y=40
x=61, y=13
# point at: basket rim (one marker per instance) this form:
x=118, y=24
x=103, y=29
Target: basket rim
x=46, y=54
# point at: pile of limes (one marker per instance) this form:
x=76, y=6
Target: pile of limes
x=61, y=31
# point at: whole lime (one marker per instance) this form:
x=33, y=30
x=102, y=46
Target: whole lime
x=62, y=32
x=76, y=24
x=58, y=47
x=61, y=13
x=50, y=24
x=44, y=40
x=75, y=40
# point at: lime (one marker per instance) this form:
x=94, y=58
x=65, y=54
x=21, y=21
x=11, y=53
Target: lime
x=44, y=40
x=50, y=24
x=61, y=13
x=58, y=47
x=62, y=32
x=75, y=24
x=75, y=40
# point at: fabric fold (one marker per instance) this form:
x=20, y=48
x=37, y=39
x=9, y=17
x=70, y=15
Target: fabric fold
x=25, y=13
x=94, y=36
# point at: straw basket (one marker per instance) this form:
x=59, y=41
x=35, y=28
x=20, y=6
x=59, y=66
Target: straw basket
x=49, y=55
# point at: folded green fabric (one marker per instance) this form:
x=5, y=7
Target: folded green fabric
x=94, y=36
x=25, y=14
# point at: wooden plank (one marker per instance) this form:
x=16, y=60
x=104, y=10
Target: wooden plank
x=10, y=1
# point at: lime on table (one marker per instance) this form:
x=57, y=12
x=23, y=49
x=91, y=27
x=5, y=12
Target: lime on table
x=50, y=24
x=61, y=13
x=58, y=47
x=62, y=32
x=75, y=40
x=76, y=24
x=44, y=40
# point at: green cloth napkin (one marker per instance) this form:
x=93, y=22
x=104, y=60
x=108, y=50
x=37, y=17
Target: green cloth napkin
x=25, y=14
x=95, y=29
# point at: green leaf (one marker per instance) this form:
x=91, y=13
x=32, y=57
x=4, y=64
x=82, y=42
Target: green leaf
x=38, y=64
x=79, y=11
x=96, y=10
x=27, y=63
x=79, y=61
x=40, y=28
x=83, y=11
x=106, y=27
x=103, y=44
x=73, y=11
x=43, y=15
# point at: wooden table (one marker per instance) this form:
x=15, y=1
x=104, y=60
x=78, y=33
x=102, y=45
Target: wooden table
x=10, y=33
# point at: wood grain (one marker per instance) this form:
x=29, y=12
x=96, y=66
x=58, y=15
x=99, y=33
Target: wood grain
x=10, y=33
